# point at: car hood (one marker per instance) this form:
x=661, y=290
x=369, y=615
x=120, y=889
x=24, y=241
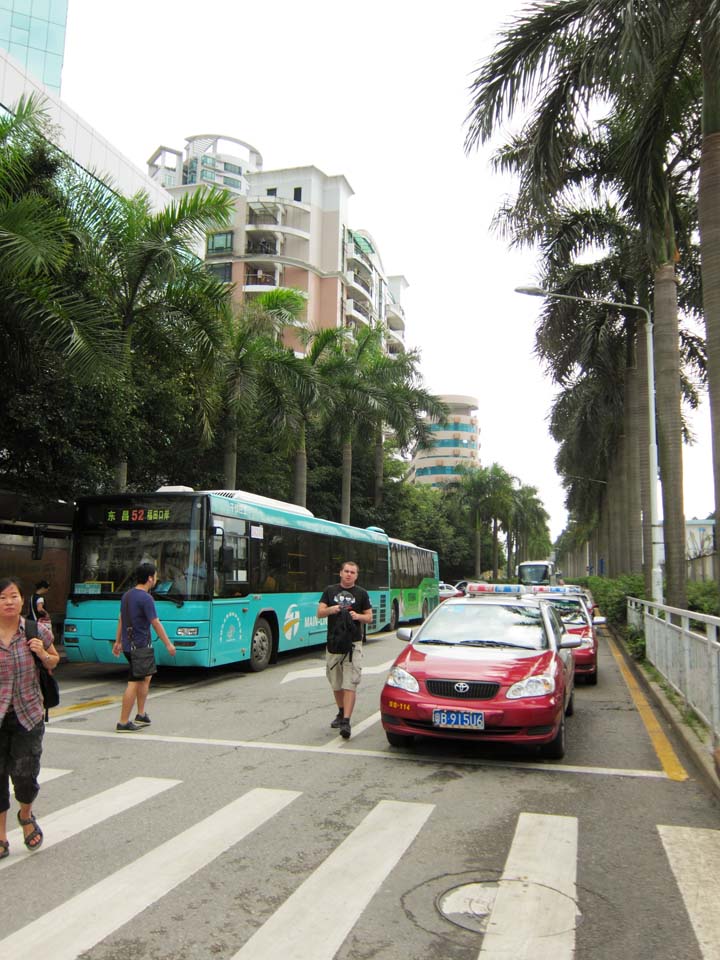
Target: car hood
x=500, y=665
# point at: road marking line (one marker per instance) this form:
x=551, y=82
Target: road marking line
x=83, y=709
x=332, y=750
x=535, y=910
x=87, y=813
x=338, y=742
x=661, y=745
x=313, y=673
x=694, y=856
x=51, y=773
x=315, y=920
x=81, y=922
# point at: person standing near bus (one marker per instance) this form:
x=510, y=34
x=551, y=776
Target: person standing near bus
x=37, y=609
x=344, y=670
x=137, y=609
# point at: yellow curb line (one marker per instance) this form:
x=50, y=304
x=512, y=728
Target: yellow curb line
x=102, y=702
x=662, y=746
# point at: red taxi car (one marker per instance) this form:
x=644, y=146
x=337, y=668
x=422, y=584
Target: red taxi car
x=491, y=669
x=572, y=607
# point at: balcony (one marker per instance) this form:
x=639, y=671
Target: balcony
x=257, y=281
x=355, y=310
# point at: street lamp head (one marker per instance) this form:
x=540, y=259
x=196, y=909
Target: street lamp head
x=532, y=291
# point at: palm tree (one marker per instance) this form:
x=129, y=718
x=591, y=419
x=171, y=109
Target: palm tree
x=38, y=242
x=488, y=493
x=143, y=272
x=582, y=54
x=254, y=363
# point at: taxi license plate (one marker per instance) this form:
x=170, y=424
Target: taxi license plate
x=473, y=720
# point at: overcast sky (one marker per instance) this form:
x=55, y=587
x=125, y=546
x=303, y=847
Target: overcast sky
x=377, y=92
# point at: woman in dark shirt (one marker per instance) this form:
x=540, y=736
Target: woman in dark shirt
x=21, y=712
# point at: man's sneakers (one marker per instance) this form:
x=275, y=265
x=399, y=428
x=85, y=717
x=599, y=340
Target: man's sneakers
x=338, y=720
x=128, y=727
x=143, y=719
x=345, y=729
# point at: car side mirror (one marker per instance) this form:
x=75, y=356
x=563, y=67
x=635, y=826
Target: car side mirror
x=570, y=644
x=405, y=634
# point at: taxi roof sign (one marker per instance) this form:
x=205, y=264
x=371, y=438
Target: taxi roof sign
x=480, y=588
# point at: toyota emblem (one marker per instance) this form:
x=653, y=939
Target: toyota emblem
x=462, y=687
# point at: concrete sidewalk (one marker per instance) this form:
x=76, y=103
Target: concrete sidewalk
x=707, y=764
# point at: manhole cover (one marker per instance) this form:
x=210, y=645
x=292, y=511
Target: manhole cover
x=470, y=905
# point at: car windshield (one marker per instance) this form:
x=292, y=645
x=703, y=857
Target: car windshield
x=486, y=624
x=570, y=611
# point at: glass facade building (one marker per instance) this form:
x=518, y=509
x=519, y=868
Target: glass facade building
x=33, y=33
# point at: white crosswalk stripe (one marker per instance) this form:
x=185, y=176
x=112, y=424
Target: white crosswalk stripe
x=51, y=773
x=531, y=912
x=694, y=856
x=77, y=925
x=534, y=914
x=314, y=921
x=87, y=813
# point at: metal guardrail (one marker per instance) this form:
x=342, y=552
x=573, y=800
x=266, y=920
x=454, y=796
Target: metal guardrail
x=684, y=648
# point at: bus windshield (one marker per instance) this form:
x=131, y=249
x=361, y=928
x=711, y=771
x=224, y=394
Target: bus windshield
x=113, y=537
x=534, y=574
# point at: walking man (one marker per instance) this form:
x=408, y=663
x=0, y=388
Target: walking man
x=345, y=599
x=137, y=611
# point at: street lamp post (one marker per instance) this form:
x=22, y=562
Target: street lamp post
x=656, y=574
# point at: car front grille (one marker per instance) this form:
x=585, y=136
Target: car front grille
x=476, y=690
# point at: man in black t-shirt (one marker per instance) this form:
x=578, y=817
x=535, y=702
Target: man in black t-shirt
x=345, y=669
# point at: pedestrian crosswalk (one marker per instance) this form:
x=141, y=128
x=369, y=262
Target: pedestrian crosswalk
x=534, y=910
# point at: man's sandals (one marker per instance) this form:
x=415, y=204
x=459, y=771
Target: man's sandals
x=37, y=832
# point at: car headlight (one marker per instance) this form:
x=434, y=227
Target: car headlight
x=540, y=686
x=402, y=679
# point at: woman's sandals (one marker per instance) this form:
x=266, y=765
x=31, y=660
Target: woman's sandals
x=37, y=832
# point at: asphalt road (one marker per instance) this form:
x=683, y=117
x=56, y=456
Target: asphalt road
x=239, y=826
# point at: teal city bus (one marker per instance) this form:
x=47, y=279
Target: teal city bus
x=414, y=580
x=239, y=575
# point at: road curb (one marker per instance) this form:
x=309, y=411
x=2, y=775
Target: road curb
x=700, y=752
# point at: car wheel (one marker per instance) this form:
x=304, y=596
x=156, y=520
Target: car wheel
x=394, y=615
x=570, y=708
x=398, y=739
x=425, y=610
x=555, y=750
x=591, y=678
x=261, y=647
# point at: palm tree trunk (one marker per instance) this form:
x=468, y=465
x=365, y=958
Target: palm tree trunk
x=644, y=458
x=230, y=460
x=478, y=546
x=709, y=216
x=632, y=471
x=495, y=548
x=379, y=468
x=346, y=481
x=121, y=469
x=667, y=391
x=300, y=471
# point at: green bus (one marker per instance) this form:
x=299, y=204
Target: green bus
x=414, y=579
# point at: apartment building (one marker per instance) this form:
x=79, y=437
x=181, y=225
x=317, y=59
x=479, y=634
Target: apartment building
x=456, y=442
x=290, y=229
x=33, y=33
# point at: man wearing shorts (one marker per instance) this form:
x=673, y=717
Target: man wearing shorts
x=344, y=669
x=137, y=610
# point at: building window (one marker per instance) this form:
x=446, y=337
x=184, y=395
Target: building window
x=232, y=182
x=272, y=191
x=297, y=193
x=208, y=161
x=207, y=175
x=222, y=271
x=220, y=242
x=233, y=168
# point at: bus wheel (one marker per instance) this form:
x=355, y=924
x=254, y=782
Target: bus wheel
x=394, y=616
x=262, y=645
x=425, y=610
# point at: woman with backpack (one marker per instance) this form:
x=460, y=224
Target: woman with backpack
x=21, y=711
